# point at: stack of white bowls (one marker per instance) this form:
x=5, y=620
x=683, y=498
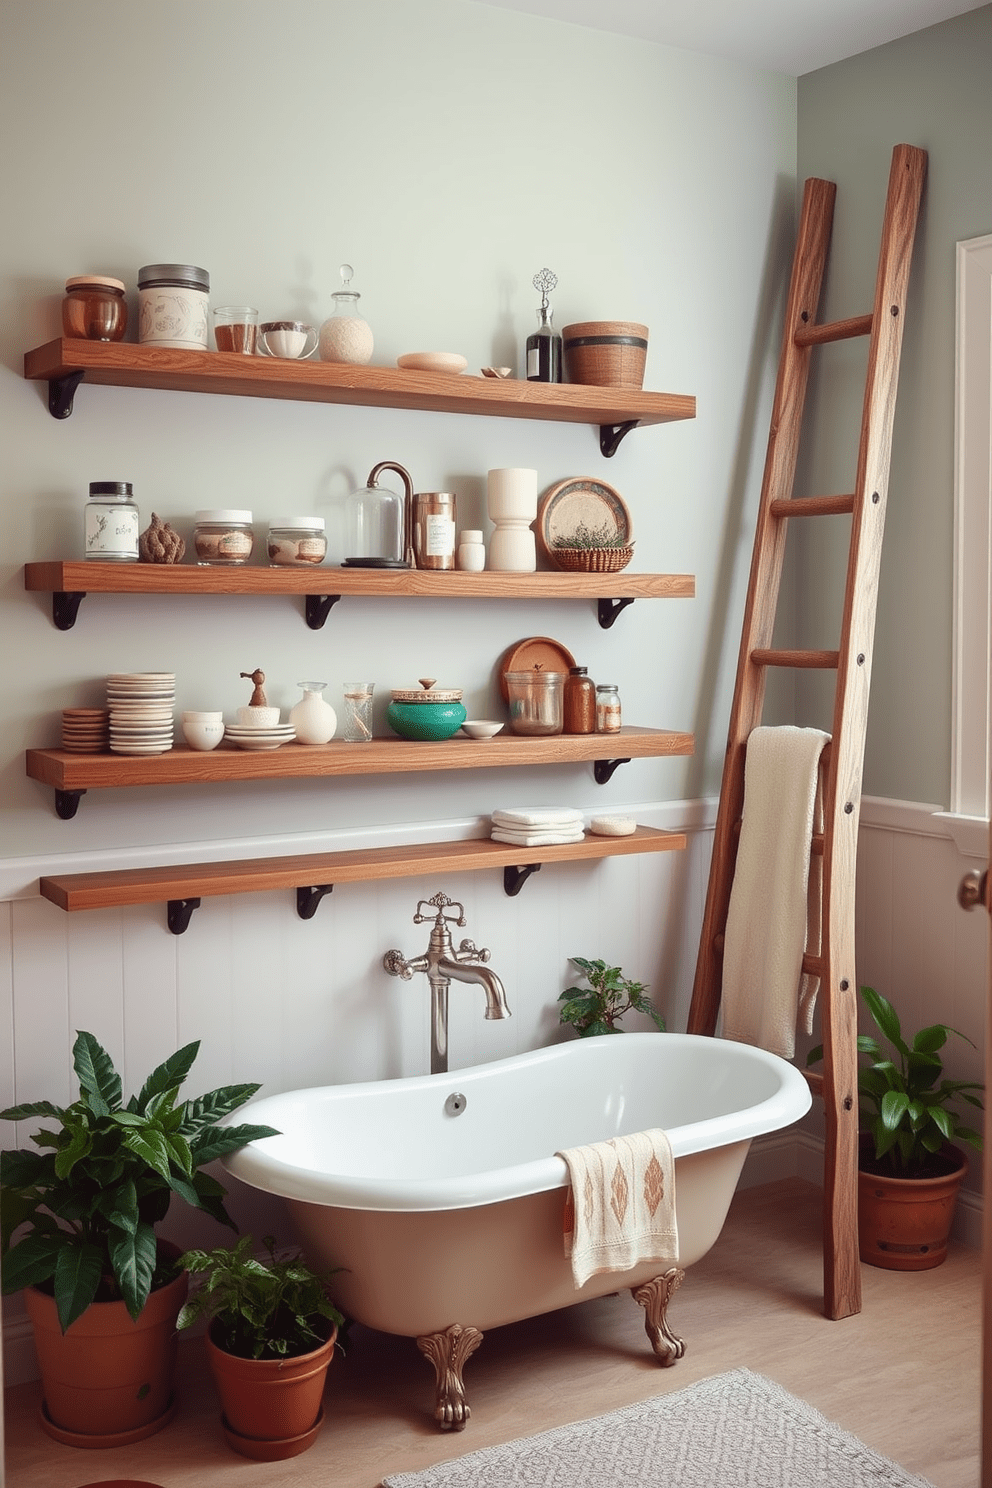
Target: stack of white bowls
x=141, y=711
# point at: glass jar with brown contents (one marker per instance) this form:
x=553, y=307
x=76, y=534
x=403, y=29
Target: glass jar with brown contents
x=94, y=308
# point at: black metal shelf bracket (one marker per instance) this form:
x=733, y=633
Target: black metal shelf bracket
x=61, y=391
x=611, y=435
x=65, y=607
x=308, y=897
x=603, y=769
x=515, y=878
x=609, y=609
x=318, y=609
x=67, y=803
x=180, y=912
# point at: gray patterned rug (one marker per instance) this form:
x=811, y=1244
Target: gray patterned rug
x=737, y=1430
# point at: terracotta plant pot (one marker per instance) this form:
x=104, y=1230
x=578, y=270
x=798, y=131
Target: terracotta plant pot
x=904, y=1223
x=272, y=1407
x=108, y=1381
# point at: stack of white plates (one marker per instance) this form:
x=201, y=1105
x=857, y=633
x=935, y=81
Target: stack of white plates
x=246, y=737
x=141, y=711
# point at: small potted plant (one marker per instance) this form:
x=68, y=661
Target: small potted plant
x=270, y=1341
x=101, y=1291
x=909, y=1171
x=599, y=1007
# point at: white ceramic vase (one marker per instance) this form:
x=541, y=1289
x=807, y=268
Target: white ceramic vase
x=312, y=718
x=512, y=505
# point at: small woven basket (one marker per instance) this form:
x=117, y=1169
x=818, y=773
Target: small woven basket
x=592, y=560
x=605, y=353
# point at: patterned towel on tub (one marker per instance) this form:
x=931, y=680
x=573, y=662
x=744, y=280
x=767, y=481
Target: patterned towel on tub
x=620, y=1209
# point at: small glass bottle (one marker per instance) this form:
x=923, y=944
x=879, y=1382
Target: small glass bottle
x=346, y=336
x=608, y=718
x=110, y=523
x=579, y=702
x=544, y=344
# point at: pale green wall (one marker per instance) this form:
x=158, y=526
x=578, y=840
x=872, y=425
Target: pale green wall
x=934, y=90
x=448, y=151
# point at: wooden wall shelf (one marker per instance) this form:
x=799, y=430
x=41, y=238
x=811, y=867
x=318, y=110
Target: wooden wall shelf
x=72, y=775
x=314, y=874
x=70, y=582
x=65, y=362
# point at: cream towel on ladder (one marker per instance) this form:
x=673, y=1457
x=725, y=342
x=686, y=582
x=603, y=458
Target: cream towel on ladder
x=767, y=920
x=620, y=1210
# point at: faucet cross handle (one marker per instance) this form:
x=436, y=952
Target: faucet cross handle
x=440, y=902
x=469, y=951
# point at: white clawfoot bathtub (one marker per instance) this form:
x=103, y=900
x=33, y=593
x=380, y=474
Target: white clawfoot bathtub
x=442, y=1199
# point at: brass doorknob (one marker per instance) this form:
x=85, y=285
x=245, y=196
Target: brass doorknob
x=972, y=889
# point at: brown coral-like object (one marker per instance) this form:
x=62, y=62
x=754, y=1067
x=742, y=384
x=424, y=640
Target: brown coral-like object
x=160, y=543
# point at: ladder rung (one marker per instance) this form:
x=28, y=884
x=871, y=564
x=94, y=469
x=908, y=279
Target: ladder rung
x=807, y=660
x=833, y=330
x=812, y=506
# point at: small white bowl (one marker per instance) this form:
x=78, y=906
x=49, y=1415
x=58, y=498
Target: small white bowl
x=481, y=728
x=432, y=361
x=192, y=716
x=199, y=734
x=258, y=717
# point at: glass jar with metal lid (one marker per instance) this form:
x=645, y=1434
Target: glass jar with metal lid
x=94, y=308
x=110, y=523
x=297, y=542
x=223, y=538
x=174, y=306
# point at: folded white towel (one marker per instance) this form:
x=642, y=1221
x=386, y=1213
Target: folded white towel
x=537, y=839
x=620, y=1209
x=766, y=931
x=535, y=816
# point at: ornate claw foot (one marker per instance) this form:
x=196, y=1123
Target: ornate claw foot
x=448, y=1351
x=654, y=1296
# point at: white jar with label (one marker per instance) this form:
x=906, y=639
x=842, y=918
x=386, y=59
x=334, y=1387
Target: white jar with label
x=223, y=538
x=174, y=306
x=434, y=529
x=110, y=523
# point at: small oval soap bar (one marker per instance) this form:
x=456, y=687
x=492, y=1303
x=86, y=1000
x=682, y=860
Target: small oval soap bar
x=613, y=826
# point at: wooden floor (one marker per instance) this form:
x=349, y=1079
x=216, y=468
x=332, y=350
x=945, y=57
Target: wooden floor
x=903, y=1375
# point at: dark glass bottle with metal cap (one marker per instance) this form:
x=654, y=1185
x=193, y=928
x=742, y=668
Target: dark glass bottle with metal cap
x=110, y=523
x=544, y=345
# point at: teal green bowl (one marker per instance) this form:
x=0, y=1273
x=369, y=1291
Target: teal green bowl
x=425, y=721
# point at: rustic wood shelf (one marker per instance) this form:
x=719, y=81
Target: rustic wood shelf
x=70, y=582
x=65, y=362
x=313, y=875
x=72, y=775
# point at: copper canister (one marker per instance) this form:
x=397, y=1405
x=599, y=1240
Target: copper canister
x=434, y=529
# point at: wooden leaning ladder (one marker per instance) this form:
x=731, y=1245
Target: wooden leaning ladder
x=843, y=758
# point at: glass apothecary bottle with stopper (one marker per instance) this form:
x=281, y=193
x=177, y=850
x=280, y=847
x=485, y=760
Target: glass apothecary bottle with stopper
x=544, y=346
x=346, y=335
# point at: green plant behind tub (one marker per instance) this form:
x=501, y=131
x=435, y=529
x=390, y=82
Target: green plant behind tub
x=913, y=1115
x=599, y=1007
x=257, y=1309
x=105, y=1178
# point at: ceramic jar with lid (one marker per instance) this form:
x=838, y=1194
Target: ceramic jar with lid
x=431, y=714
x=471, y=550
x=297, y=542
x=94, y=308
x=174, y=306
x=223, y=537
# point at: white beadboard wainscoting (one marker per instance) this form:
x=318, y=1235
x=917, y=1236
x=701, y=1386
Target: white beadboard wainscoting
x=293, y=1003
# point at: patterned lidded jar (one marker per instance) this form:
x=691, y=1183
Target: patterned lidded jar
x=174, y=306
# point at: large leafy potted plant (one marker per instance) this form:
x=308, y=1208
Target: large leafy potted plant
x=909, y=1170
x=272, y=1333
x=101, y=1291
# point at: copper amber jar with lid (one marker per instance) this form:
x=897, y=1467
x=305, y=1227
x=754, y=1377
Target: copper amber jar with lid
x=579, y=702
x=94, y=308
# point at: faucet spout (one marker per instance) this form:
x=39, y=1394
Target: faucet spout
x=478, y=976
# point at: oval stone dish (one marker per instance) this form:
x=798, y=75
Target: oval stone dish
x=432, y=714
